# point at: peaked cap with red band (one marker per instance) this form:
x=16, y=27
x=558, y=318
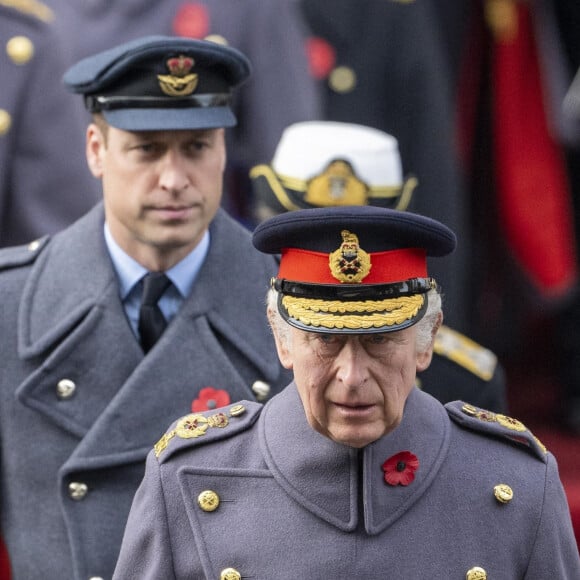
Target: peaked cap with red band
x=358, y=269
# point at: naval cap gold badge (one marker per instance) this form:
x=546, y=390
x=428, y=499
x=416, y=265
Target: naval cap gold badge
x=181, y=82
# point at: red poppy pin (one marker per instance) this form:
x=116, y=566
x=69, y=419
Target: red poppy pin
x=400, y=468
x=209, y=399
x=191, y=20
x=321, y=57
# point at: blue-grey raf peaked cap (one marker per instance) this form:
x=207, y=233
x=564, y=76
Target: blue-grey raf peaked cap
x=353, y=269
x=161, y=83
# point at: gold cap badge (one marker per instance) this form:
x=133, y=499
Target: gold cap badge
x=336, y=185
x=181, y=82
x=349, y=264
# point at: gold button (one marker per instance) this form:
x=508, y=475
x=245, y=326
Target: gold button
x=230, y=574
x=5, y=121
x=237, y=410
x=208, y=500
x=218, y=39
x=77, y=490
x=476, y=573
x=20, y=49
x=33, y=246
x=342, y=79
x=65, y=389
x=503, y=493
x=261, y=390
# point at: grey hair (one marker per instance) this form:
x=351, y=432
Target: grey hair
x=425, y=326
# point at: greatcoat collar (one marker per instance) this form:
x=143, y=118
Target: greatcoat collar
x=322, y=476
x=82, y=335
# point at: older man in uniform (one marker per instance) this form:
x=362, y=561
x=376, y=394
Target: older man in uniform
x=328, y=163
x=91, y=376
x=351, y=471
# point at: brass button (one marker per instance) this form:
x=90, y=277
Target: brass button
x=503, y=493
x=20, y=49
x=33, y=246
x=65, y=389
x=218, y=39
x=476, y=573
x=208, y=500
x=77, y=490
x=261, y=390
x=237, y=410
x=5, y=121
x=342, y=79
x=230, y=574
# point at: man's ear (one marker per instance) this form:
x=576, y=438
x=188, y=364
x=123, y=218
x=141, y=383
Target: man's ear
x=282, y=342
x=424, y=358
x=95, y=146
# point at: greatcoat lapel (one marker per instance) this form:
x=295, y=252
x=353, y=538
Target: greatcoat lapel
x=133, y=398
x=324, y=480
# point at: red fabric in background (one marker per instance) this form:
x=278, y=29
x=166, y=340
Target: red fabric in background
x=4, y=563
x=533, y=191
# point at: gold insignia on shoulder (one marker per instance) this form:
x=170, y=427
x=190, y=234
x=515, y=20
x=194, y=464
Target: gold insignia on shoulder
x=481, y=414
x=503, y=493
x=181, y=82
x=465, y=352
x=540, y=444
x=20, y=49
x=336, y=185
x=162, y=444
x=476, y=573
x=511, y=423
x=350, y=263
x=31, y=7
x=195, y=425
x=237, y=410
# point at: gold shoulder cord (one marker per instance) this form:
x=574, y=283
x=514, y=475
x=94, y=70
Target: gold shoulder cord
x=31, y=7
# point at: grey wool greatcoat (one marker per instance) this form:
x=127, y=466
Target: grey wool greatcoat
x=73, y=456
x=259, y=494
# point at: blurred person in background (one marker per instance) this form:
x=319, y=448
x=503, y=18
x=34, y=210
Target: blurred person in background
x=328, y=163
x=270, y=32
x=44, y=180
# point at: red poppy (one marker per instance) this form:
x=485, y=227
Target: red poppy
x=209, y=399
x=191, y=20
x=400, y=468
x=321, y=57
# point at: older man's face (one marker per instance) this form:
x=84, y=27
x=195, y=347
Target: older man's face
x=353, y=387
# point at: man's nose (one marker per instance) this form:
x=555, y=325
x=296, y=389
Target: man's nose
x=352, y=365
x=174, y=176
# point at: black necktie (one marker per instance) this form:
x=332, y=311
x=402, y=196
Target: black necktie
x=152, y=323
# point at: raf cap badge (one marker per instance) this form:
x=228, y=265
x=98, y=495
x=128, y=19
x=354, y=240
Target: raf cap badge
x=181, y=81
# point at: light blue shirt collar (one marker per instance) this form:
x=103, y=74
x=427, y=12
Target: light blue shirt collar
x=129, y=273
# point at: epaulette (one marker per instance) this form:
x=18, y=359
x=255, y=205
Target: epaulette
x=16, y=256
x=31, y=7
x=496, y=425
x=465, y=352
x=204, y=428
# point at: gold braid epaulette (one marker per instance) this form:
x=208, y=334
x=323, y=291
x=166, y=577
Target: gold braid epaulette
x=31, y=7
